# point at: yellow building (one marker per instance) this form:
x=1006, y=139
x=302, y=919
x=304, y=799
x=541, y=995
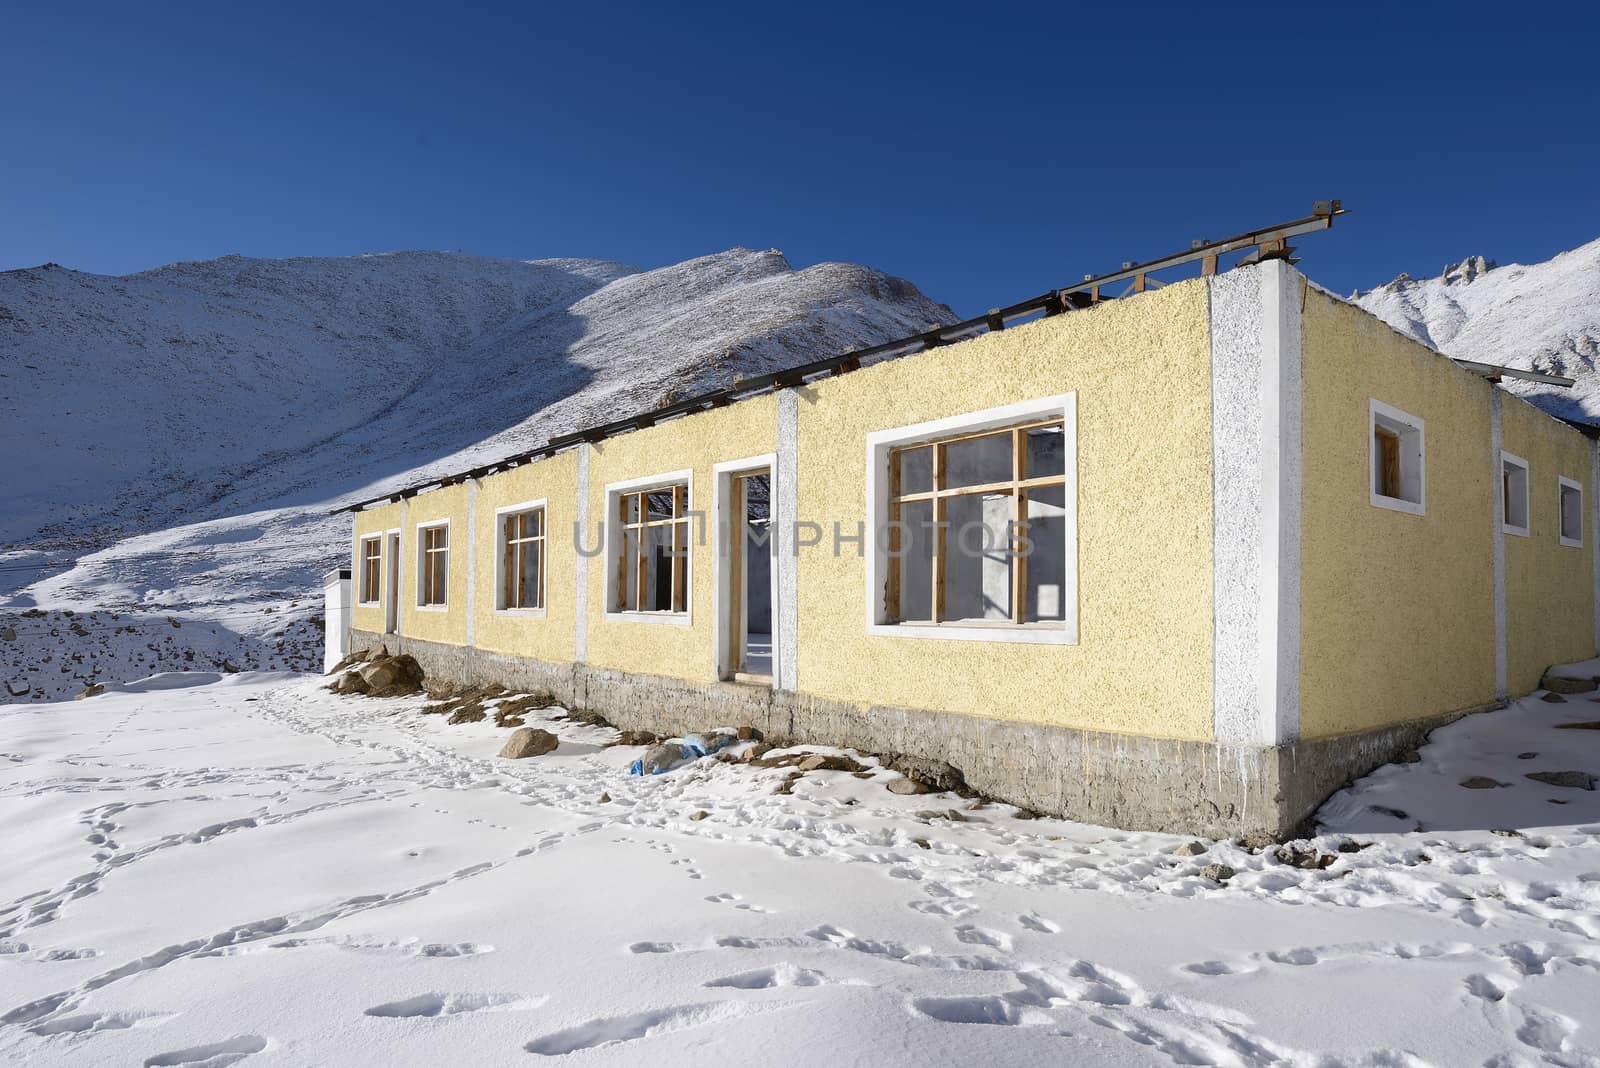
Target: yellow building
x=1188, y=559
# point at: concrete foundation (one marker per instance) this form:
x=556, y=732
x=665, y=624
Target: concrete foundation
x=1116, y=780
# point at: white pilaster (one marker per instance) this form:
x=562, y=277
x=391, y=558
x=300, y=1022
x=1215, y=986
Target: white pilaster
x=785, y=512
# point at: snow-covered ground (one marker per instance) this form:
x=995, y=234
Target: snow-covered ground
x=208, y=869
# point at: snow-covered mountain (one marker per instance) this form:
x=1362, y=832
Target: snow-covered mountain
x=1542, y=317
x=172, y=441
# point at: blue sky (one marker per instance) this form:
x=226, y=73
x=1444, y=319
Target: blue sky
x=985, y=152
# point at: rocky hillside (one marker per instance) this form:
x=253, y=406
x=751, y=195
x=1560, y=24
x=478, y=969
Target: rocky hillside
x=175, y=439
x=1543, y=317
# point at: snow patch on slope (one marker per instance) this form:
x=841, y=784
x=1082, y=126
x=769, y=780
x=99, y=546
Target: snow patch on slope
x=176, y=439
x=1540, y=317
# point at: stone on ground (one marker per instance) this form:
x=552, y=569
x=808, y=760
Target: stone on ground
x=529, y=742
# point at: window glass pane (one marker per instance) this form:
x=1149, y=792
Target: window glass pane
x=660, y=504
x=916, y=561
x=1047, y=564
x=977, y=560
x=916, y=470
x=1571, y=514
x=630, y=508
x=528, y=576
x=658, y=569
x=1047, y=453
x=978, y=461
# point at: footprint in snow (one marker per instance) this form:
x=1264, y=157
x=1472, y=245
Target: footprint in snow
x=435, y=1004
x=1035, y=922
x=615, y=1030
x=215, y=1055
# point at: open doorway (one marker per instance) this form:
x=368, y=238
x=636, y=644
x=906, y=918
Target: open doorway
x=748, y=610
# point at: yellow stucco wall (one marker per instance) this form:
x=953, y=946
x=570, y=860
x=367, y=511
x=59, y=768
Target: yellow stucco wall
x=1397, y=610
x=1141, y=371
x=432, y=625
x=371, y=521
x=551, y=636
x=694, y=443
x=1549, y=592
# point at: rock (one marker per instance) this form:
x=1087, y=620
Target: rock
x=381, y=674
x=953, y=815
x=1554, y=699
x=1350, y=845
x=756, y=752
x=9, y=634
x=908, y=786
x=18, y=689
x=360, y=656
x=747, y=733
x=1561, y=684
x=1504, y=832
x=1576, y=780
x=935, y=773
x=1307, y=859
x=1526, y=756
x=1385, y=810
x=1481, y=782
x=1218, y=873
x=351, y=682
x=604, y=799
x=1256, y=841
x=637, y=738
x=699, y=815
x=1190, y=849
x=1586, y=725
x=826, y=762
x=529, y=742
x=230, y=667
x=1410, y=756
x=94, y=689
x=394, y=676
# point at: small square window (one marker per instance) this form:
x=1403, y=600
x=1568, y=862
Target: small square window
x=1398, y=454
x=1514, y=493
x=1570, y=502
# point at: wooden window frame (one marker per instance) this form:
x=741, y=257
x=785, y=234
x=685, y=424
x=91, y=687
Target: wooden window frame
x=884, y=500
x=433, y=564
x=374, y=562
x=1409, y=434
x=507, y=551
x=1565, y=485
x=621, y=533
x=1017, y=487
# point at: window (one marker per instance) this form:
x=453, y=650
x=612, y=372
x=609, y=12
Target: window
x=520, y=562
x=433, y=565
x=975, y=526
x=1514, y=492
x=1398, y=452
x=650, y=561
x=371, y=569
x=1569, y=498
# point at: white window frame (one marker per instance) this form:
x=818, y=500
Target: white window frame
x=500, y=559
x=880, y=443
x=1565, y=483
x=613, y=540
x=1395, y=419
x=1527, y=512
x=422, y=562
x=361, y=575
